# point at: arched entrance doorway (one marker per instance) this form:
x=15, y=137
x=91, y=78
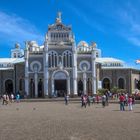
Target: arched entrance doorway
x=106, y=83
x=40, y=88
x=60, y=83
x=89, y=87
x=60, y=87
x=121, y=83
x=9, y=86
x=32, y=89
x=80, y=88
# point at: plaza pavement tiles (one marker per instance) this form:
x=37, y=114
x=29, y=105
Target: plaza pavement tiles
x=56, y=121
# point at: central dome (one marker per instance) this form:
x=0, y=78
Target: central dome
x=82, y=44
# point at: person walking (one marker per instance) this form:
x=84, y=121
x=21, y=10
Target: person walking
x=88, y=100
x=122, y=99
x=107, y=97
x=4, y=99
x=66, y=99
x=103, y=100
x=93, y=99
x=97, y=98
x=12, y=97
x=133, y=99
x=85, y=100
x=130, y=103
x=7, y=99
x=17, y=98
x=82, y=101
x=126, y=99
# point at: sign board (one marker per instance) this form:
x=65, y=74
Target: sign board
x=99, y=84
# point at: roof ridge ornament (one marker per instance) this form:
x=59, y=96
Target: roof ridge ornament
x=93, y=44
x=58, y=19
x=17, y=46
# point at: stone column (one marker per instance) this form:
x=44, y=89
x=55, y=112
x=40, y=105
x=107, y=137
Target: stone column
x=94, y=71
x=52, y=83
x=46, y=73
x=26, y=71
x=36, y=84
x=85, y=83
x=68, y=86
x=74, y=71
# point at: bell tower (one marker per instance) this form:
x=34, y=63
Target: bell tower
x=17, y=52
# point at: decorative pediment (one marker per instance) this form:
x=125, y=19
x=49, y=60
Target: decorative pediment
x=59, y=27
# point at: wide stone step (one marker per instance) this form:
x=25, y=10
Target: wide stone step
x=72, y=100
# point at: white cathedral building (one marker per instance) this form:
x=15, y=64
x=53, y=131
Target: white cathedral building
x=60, y=66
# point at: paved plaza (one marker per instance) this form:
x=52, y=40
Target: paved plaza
x=55, y=121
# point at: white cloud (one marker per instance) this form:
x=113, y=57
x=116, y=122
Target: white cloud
x=134, y=40
x=86, y=18
x=129, y=19
x=124, y=21
x=16, y=29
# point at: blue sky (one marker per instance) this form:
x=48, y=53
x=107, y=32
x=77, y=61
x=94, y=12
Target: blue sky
x=113, y=24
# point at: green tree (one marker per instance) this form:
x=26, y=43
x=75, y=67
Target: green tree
x=102, y=91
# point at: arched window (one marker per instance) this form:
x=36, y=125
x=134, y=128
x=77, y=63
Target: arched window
x=53, y=59
x=49, y=60
x=106, y=83
x=15, y=55
x=80, y=88
x=121, y=83
x=97, y=54
x=64, y=60
x=70, y=56
x=67, y=59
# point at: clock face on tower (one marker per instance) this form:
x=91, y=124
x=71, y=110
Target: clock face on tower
x=59, y=27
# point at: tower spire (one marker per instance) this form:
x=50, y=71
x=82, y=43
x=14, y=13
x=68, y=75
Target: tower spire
x=58, y=19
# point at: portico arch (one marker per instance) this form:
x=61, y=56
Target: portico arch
x=9, y=86
x=106, y=84
x=60, y=83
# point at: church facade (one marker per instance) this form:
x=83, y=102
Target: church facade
x=60, y=67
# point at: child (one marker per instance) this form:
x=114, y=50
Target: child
x=130, y=103
x=18, y=98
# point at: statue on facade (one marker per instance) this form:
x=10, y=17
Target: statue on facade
x=17, y=45
x=58, y=19
x=93, y=44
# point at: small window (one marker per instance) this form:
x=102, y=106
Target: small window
x=18, y=54
x=14, y=55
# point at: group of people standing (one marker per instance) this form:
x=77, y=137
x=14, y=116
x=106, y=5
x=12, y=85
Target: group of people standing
x=126, y=100
x=10, y=98
x=87, y=100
